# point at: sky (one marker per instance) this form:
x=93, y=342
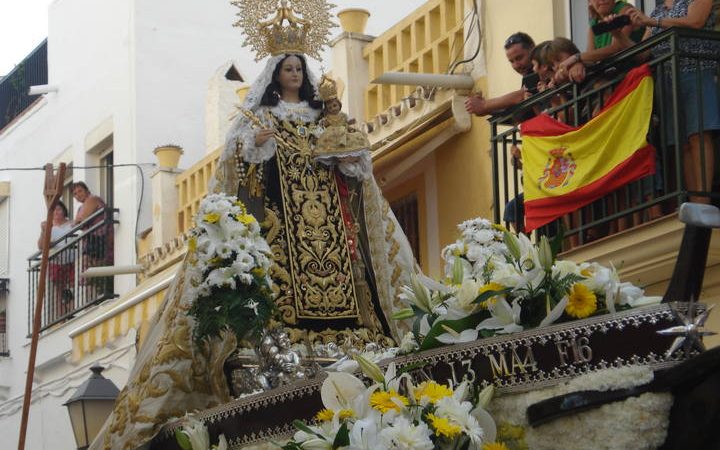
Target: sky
x=24, y=23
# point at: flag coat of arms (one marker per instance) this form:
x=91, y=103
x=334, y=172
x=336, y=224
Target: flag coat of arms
x=566, y=168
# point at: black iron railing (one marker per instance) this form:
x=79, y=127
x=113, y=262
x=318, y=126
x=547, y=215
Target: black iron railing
x=637, y=202
x=89, y=244
x=14, y=98
x=4, y=350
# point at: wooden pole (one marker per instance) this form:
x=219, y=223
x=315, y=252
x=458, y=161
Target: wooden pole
x=52, y=192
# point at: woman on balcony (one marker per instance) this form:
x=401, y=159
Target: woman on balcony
x=695, y=72
x=604, y=44
x=62, y=264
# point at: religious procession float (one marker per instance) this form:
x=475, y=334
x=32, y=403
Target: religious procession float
x=299, y=319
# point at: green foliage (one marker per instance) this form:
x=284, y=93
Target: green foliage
x=182, y=440
x=342, y=438
x=232, y=309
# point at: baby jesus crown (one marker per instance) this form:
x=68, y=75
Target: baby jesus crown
x=327, y=88
x=287, y=26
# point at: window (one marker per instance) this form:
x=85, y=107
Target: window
x=4, y=238
x=106, y=177
x=67, y=196
x=406, y=211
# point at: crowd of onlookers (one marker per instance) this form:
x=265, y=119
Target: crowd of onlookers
x=615, y=26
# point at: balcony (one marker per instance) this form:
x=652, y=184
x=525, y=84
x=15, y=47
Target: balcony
x=639, y=202
x=89, y=244
x=14, y=98
x=4, y=349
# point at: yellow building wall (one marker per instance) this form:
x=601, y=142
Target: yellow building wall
x=464, y=180
x=541, y=19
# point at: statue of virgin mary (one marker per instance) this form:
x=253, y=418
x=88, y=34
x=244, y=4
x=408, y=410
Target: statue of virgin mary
x=339, y=255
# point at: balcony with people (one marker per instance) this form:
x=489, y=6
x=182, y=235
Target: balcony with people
x=680, y=125
x=76, y=246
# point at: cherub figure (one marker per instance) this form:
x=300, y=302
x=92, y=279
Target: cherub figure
x=280, y=364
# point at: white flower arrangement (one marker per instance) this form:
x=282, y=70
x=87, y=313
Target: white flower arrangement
x=193, y=435
x=393, y=413
x=228, y=271
x=636, y=422
x=500, y=283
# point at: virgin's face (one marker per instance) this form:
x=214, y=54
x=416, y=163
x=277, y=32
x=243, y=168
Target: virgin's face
x=602, y=7
x=290, y=76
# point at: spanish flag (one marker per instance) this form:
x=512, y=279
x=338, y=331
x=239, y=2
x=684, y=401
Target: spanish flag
x=566, y=168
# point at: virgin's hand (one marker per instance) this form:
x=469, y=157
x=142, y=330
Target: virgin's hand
x=262, y=136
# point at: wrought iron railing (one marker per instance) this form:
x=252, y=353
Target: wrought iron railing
x=637, y=202
x=14, y=97
x=88, y=244
x=4, y=350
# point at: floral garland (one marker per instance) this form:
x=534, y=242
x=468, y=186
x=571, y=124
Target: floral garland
x=393, y=413
x=228, y=271
x=499, y=283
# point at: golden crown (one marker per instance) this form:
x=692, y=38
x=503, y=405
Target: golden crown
x=327, y=88
x=273, y=27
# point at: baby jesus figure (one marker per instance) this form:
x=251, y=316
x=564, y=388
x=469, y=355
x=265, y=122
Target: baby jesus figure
x=340, y=141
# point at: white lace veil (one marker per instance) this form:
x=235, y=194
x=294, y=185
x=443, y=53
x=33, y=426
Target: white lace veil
x=254, y=95
x=240, y=127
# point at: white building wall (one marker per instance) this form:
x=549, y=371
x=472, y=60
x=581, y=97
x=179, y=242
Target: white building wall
x=133, y=70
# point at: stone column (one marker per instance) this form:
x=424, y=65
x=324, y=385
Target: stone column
x=348, y=62
x=165, y=195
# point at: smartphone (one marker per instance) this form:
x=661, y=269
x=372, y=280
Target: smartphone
x=618, y=22
x=530, y=82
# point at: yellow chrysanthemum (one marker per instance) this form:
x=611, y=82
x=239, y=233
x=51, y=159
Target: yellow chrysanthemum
x=495, y=446
x=443, y=426
x=492, y=286
x=246, y=219
x=581, y=301
x=384, y=401
x=259, y=272
x=241, y=205
x=324, y=415
x=215, y=261
x=586, y=272
x=499, y=227
x=346, y=414
x=433, y=391
x=211, y=217
x=508, y=431
x=192, y=245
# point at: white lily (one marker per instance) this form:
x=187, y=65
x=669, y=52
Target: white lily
x=555, y=313
x=340, y=389
x=454, y=337
x=197, y=433
x=505, y=318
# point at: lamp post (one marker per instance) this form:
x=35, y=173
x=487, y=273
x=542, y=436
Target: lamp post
x=90, y=405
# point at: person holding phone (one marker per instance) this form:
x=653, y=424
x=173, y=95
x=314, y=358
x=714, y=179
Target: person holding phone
x=517, y=49
x=610, y=32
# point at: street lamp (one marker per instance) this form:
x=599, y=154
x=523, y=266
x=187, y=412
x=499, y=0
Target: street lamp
x=90, y=405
